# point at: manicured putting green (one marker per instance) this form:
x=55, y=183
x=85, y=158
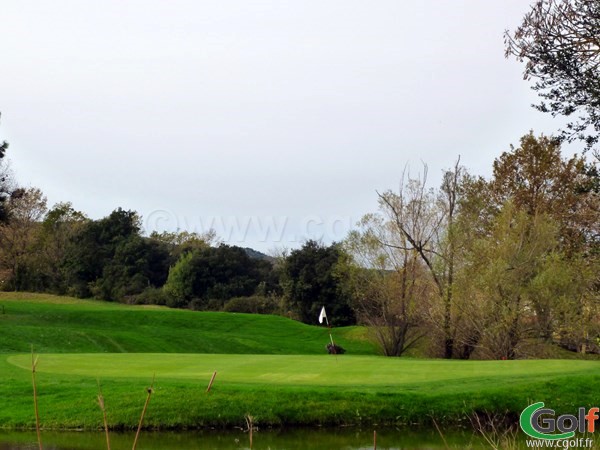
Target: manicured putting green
x=297, y=370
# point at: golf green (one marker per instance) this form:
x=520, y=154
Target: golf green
x=305, y=370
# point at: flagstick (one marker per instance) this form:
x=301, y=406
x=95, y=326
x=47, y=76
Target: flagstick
x=331, y=337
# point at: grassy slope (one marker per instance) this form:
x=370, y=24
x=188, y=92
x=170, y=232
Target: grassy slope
x=276, y=389
x=65, y=325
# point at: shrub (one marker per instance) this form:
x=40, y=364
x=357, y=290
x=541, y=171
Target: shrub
x=149, y=296
x=255, y=304
x=199, y=304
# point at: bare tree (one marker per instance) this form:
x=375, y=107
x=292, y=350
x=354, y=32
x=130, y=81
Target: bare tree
x=424, y=222
x=390, y=288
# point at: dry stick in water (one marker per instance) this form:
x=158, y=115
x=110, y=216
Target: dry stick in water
x=440, y=433
x=211, y=381
x=150, y=391
x=374, y=439
x=34, y=362
x=102, y=407
x=250, y=424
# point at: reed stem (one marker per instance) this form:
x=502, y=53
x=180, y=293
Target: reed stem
x=34, y=362
x=212, y=380
x=150, y=391
x=103, y=408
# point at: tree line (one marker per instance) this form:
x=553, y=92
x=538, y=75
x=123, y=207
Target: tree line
x=61, y=251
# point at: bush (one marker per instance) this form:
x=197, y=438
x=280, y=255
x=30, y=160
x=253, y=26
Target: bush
x=149, y=296
x=256, y=304
x=198, y=304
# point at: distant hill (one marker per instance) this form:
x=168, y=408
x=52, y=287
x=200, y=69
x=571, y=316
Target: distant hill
x=258, y=255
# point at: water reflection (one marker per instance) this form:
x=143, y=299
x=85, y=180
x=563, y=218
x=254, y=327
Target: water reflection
x=295, y=439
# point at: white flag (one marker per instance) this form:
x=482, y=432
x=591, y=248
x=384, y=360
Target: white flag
x=322, y=315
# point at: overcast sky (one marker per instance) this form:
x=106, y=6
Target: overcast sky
x=271, y=121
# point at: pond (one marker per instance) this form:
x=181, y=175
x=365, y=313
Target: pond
x=293, y=439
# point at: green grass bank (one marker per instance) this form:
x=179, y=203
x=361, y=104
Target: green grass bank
x=268, y=367
x=66, y=325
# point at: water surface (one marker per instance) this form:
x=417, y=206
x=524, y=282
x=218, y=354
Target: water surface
x=295, y=439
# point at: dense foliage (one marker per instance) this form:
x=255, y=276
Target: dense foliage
x=219, y=273
x=311, y=282
x=497, y=267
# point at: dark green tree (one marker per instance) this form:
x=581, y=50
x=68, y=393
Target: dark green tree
x=137, y=263
x=93, y=247
x=311, y=281
x=219, y=273
x=110, y=259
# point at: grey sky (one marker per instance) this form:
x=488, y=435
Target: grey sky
x=289, y=113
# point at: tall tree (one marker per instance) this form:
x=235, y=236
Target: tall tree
x=26, y=208
x=424, y=223
x=60, y=225
x=559, y=40
x=503, y=278
x=536, y=178
x=97, y=249
x=564, y=301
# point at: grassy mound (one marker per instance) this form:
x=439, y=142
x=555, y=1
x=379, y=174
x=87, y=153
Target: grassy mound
x=65, y=325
